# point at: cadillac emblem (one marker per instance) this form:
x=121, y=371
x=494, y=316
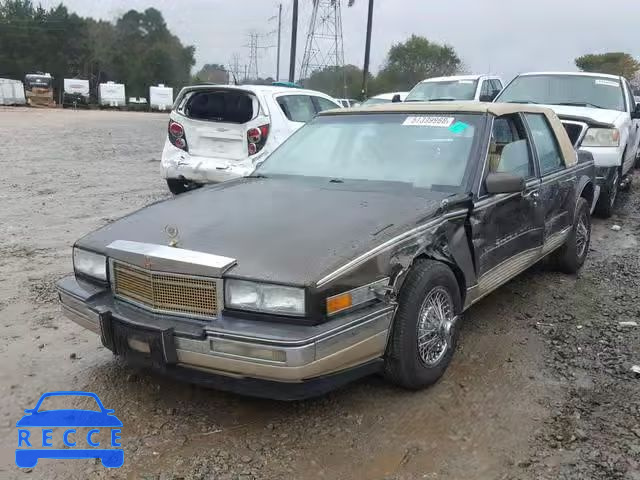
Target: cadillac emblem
x=147, y=263
x=172, y=233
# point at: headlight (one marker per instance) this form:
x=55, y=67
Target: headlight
x=90, y=264
x=602, y=137
x=264, y=297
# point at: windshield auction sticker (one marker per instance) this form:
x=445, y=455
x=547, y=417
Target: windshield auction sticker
x=424, y=121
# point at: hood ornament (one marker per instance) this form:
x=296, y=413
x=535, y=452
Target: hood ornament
x=172, y=233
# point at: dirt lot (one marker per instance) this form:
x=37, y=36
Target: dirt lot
x=541, y=387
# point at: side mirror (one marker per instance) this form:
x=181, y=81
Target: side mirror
x=396, y=98
x=504, y=183
x=487, y=98
x=636, y=113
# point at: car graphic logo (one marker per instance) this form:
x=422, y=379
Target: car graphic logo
x=35, y=433
x=147, y=262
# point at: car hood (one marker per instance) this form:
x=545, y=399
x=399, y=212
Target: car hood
x=282, y=230
x=598, y=115
x=69, y=418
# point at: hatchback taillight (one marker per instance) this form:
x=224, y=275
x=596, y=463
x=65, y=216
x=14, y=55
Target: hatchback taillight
x=257, y=138
x=177, y=136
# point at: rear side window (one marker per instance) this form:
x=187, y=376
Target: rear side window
x=297, y=108
x=545, y=142
x=220, y=106
x=323, y=104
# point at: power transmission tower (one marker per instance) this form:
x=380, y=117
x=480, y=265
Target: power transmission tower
x=324, y=47
x=254, y=46
x=252, y=70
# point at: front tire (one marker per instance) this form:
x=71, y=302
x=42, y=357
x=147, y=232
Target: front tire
x=425, y=329
x=608, y=194
x=572, y=255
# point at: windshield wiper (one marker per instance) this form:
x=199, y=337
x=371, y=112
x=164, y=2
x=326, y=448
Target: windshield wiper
x=336, y=180
x=442, y=99
x=579, y=104
x=258, y=175
x=522, y=101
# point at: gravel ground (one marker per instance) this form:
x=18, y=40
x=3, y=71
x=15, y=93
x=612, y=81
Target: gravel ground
x=541, y=387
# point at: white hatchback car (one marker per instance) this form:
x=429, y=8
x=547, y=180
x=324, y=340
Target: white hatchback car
x=221, y=132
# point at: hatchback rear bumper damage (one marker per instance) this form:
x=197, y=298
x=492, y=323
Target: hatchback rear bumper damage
x=178, y=164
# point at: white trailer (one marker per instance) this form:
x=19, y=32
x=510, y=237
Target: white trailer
x=160, y=97
x=76, y=91
x=112, y=94
x=11, y=92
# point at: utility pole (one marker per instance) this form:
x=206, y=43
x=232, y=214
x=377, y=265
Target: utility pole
x=367, y=52
x=294, y=39
x=279, y=41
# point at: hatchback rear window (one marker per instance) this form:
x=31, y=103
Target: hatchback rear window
x=220, y=106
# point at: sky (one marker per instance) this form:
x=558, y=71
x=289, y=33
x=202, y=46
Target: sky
x=503, y=37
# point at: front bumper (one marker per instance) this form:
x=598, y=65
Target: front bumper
x=235, y=354
x=178, y=164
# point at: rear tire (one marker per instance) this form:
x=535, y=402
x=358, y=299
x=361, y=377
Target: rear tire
x=571, y=256
x=425, y=328
x=608, y=194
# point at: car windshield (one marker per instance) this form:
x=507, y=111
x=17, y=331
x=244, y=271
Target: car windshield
x=443, y=90
x=572, y=90
x=424, y=151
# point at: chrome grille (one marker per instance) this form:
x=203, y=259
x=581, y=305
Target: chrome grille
x=165, y=292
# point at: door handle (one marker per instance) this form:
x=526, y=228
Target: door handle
x=533, y=194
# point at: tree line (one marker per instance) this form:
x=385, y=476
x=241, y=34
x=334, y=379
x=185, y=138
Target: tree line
x=137, y=49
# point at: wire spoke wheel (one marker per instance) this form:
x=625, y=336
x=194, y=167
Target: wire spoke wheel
x=435, y=322
x=582, y=236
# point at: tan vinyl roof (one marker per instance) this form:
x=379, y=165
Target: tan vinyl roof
x=496, y=109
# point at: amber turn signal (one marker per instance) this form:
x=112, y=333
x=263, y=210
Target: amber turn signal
x=339, y=303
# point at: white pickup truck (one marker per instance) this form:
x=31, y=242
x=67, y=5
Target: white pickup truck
x=600, y=115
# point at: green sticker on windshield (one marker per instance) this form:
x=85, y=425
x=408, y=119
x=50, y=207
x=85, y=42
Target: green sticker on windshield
x=458, y=127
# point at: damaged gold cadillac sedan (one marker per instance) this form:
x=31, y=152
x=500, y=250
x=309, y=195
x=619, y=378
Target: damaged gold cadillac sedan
x=353, y=249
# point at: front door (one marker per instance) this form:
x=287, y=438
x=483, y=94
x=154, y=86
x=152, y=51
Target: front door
x=507, y=229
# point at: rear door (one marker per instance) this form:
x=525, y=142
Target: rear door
x=557, y=182
x=216, y=121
